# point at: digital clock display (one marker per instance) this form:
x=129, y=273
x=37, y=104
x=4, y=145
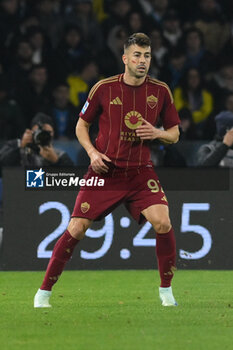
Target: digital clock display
x=202, y=221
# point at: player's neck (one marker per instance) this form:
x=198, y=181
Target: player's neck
x=129, y=80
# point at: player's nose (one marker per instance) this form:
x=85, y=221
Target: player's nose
x=142, y=60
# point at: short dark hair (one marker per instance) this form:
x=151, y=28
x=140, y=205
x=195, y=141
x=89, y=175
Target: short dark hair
x=139, y=39
x=41, y=118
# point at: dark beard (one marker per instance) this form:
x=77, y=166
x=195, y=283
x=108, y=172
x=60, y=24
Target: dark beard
x=140, y=76
x=136, y=75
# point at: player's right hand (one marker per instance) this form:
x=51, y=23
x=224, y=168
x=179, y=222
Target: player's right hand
x=97, y=162
x=228, y=138
x=27, y=138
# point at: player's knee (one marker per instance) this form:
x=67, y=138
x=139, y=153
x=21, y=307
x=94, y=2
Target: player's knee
x=78, y=227
x=162, y=226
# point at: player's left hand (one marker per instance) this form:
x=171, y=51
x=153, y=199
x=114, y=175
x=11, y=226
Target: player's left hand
x=147, y=131
x=48, y=153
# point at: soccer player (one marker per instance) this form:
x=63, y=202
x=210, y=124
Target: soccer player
x=128, y=106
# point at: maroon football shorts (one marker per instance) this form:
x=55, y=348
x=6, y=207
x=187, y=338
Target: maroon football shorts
x=137, y=188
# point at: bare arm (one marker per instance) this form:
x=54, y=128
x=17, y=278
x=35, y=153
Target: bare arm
x=148, y=132
x=170, y=135
x=96, y=158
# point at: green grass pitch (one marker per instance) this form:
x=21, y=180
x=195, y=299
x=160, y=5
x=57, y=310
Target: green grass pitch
x=117, y=310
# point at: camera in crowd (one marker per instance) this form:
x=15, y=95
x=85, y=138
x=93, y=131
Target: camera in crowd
x=41, y=137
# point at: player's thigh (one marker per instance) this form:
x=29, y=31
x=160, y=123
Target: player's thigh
x=158, y=216
x=78, y=226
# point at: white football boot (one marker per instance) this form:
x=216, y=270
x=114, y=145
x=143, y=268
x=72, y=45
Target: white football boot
x=166, y=296
x=41, y=298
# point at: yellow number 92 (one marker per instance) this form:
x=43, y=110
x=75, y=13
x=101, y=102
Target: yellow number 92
x=153, y=185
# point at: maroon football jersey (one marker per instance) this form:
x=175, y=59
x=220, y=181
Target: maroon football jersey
x=120, y=108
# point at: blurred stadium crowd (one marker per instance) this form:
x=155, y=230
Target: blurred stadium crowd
x=53, y=51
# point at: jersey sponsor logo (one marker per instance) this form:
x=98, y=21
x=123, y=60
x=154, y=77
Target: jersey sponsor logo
x=129, y=136
x=85, y=107
x=133, y=119
x=85, y=207
x=35, y=178
x=152, y=101
x=116, y=101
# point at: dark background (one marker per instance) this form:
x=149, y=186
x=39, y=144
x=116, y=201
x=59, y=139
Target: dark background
x=25, y=228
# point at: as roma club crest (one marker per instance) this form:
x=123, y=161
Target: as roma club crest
x=152, y=101
x=85, y=207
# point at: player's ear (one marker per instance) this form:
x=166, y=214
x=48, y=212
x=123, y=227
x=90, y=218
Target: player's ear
x=124, y=59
